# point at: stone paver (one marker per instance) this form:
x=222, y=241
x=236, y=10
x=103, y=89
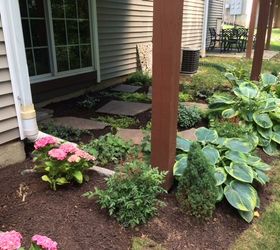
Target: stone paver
x=188, y=134
x=134, y=135
x=126, y=88
x=77, y=123
x=124, y=108
x=201, y=106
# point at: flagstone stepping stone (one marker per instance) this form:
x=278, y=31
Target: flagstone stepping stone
x=77, y=123
x=126, y=88
x=201, y=106
x=134, y=135
x=188, y=134
x=124, y=108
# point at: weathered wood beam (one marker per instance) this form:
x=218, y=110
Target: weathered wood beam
x=167, y=33
x=270, y=23
x=260, y=39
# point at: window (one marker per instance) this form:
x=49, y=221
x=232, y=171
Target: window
x=57, y=35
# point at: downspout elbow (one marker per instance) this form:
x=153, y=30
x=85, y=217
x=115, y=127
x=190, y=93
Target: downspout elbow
x=29, y=122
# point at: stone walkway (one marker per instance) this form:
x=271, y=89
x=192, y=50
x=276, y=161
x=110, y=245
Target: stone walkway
x=134, y=135
x=188, y=134
x=268, y=54
x=201, y=106
x=126, y=88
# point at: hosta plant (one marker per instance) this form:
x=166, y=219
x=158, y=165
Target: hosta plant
x=255, y=106
x=61, y=163
x=236, y=168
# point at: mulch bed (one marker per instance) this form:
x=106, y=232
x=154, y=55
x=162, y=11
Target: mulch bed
x=78, y=223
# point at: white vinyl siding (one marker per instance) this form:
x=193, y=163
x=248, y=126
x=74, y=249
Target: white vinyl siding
x=8, y=119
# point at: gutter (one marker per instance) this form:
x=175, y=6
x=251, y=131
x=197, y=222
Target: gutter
x=205, y=28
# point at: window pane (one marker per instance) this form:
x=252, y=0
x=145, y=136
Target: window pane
x=26, y=33
x=84, y=31
x=74, y=55
x=57, y=8
x=70, y=8
x=72, y=32
x=23, y=8
x=36, y=8
x=39, y=33
x=59, y=32
x=42, y=61
x=30, y=62
x=83, y=9
x=86, y=56
x=62, y=59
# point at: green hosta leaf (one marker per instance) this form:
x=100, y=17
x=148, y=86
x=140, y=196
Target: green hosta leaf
x=271, y=149
x=263, y=120
x=220, y=141
x=263, y=142
x=211, y=154
x=276, y=137
x=46, y=178
x=248, y=216
x=220, y=193
x=230, y=76
x=220, y=176
x=180, y=166
x=236, y=156
x=261, y=177
x=252, y=138
x=229, y=113
x=183, y=144
x=61, y=181
x=241, y=172
x=240, y=195
x=248, y=89
x=220, y=101
x=268, y=105
x=180, y=156
x=237, y=144
x=253, y=160
x=268, y=79
x=206, y=135
x=275, y=115
x=265, y=132
x=78, y=176
x=276, y=128
x=261, y=166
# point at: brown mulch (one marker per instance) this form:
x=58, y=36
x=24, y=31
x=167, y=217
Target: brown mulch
x=78, y=223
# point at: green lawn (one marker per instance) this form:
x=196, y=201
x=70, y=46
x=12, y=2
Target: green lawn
x=275, y=40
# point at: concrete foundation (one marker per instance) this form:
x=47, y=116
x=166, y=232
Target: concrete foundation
x=12, y=153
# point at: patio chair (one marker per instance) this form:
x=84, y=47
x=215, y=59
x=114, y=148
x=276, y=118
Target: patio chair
x=214, y=38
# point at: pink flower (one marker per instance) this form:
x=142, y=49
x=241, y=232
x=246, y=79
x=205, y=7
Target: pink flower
x=44, y=242
x=58, y=154
x=84, y=155
x=45, y=141
x=74, y=158
x=10, y=240
x=68, y=148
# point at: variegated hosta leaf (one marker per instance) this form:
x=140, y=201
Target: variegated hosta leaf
x=230, y=77
x=268, y=79
x=268, y=105
x=248, y=90
x=265, y=132
x=253, y=139
x=240, y=195
x=261, y=166
x=263, y=120
x=276, y=128
x=180, y=156
x=229, y=113
x=206, y=135
x=220, y=193
x=220, y=176
x=271, y=149
x=248, y=216
x=241, y=172
x=236, y=156
x=219, y=101
x=183, y=144
x=211, y=154
x=261, y=177
x=180, y=167
x=263, y=142
x=276, y=137
x=238, y=144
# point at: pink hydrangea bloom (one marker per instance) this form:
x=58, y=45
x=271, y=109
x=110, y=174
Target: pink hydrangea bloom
x=57, y=154
x=45, y=141
x=68, y=148
x=10, y=240
x=84, y=155
x=44, y=242
x=74, y=158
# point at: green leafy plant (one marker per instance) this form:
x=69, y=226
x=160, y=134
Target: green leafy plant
x=131, y=194
x=140, y=78
x=188, y=116
x=65, y=133
x=135, y=97
x=119, y=122
x=89, y=102
x=197, y=191
x=256, y=106
x=184, y=97
x=236, y=168
x=109, y=149
x=60, y=163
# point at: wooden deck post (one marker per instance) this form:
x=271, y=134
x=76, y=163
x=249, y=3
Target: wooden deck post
x=167, y=32
x=270, y=23
x=260, y=39
x=252, y=28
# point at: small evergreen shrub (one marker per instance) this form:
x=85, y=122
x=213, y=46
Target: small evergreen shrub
x=119, y=121
x=140, y=77
x=188, y=116
x=131, y=194
x=197, y=192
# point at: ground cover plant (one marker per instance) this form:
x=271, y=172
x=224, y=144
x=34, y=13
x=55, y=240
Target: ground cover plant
x=140, y=78
x=197, y=191
x=184, y=97
x=60, y=163
x=119, y=121
x=236, y=168
x=188, y=116
x=135, y=97
x=131, y=193
x=256, y=106
x=89, y=102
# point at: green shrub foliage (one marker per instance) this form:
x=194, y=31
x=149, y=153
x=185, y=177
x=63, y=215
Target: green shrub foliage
x=197, y=191
x=131, y=194
x=119, y=121
x=188, y=116
x=141, y=78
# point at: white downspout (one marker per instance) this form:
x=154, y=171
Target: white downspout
x=14, y=41
x=205, y=28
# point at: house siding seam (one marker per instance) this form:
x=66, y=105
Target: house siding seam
x=122, y=25
x=8, y=119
